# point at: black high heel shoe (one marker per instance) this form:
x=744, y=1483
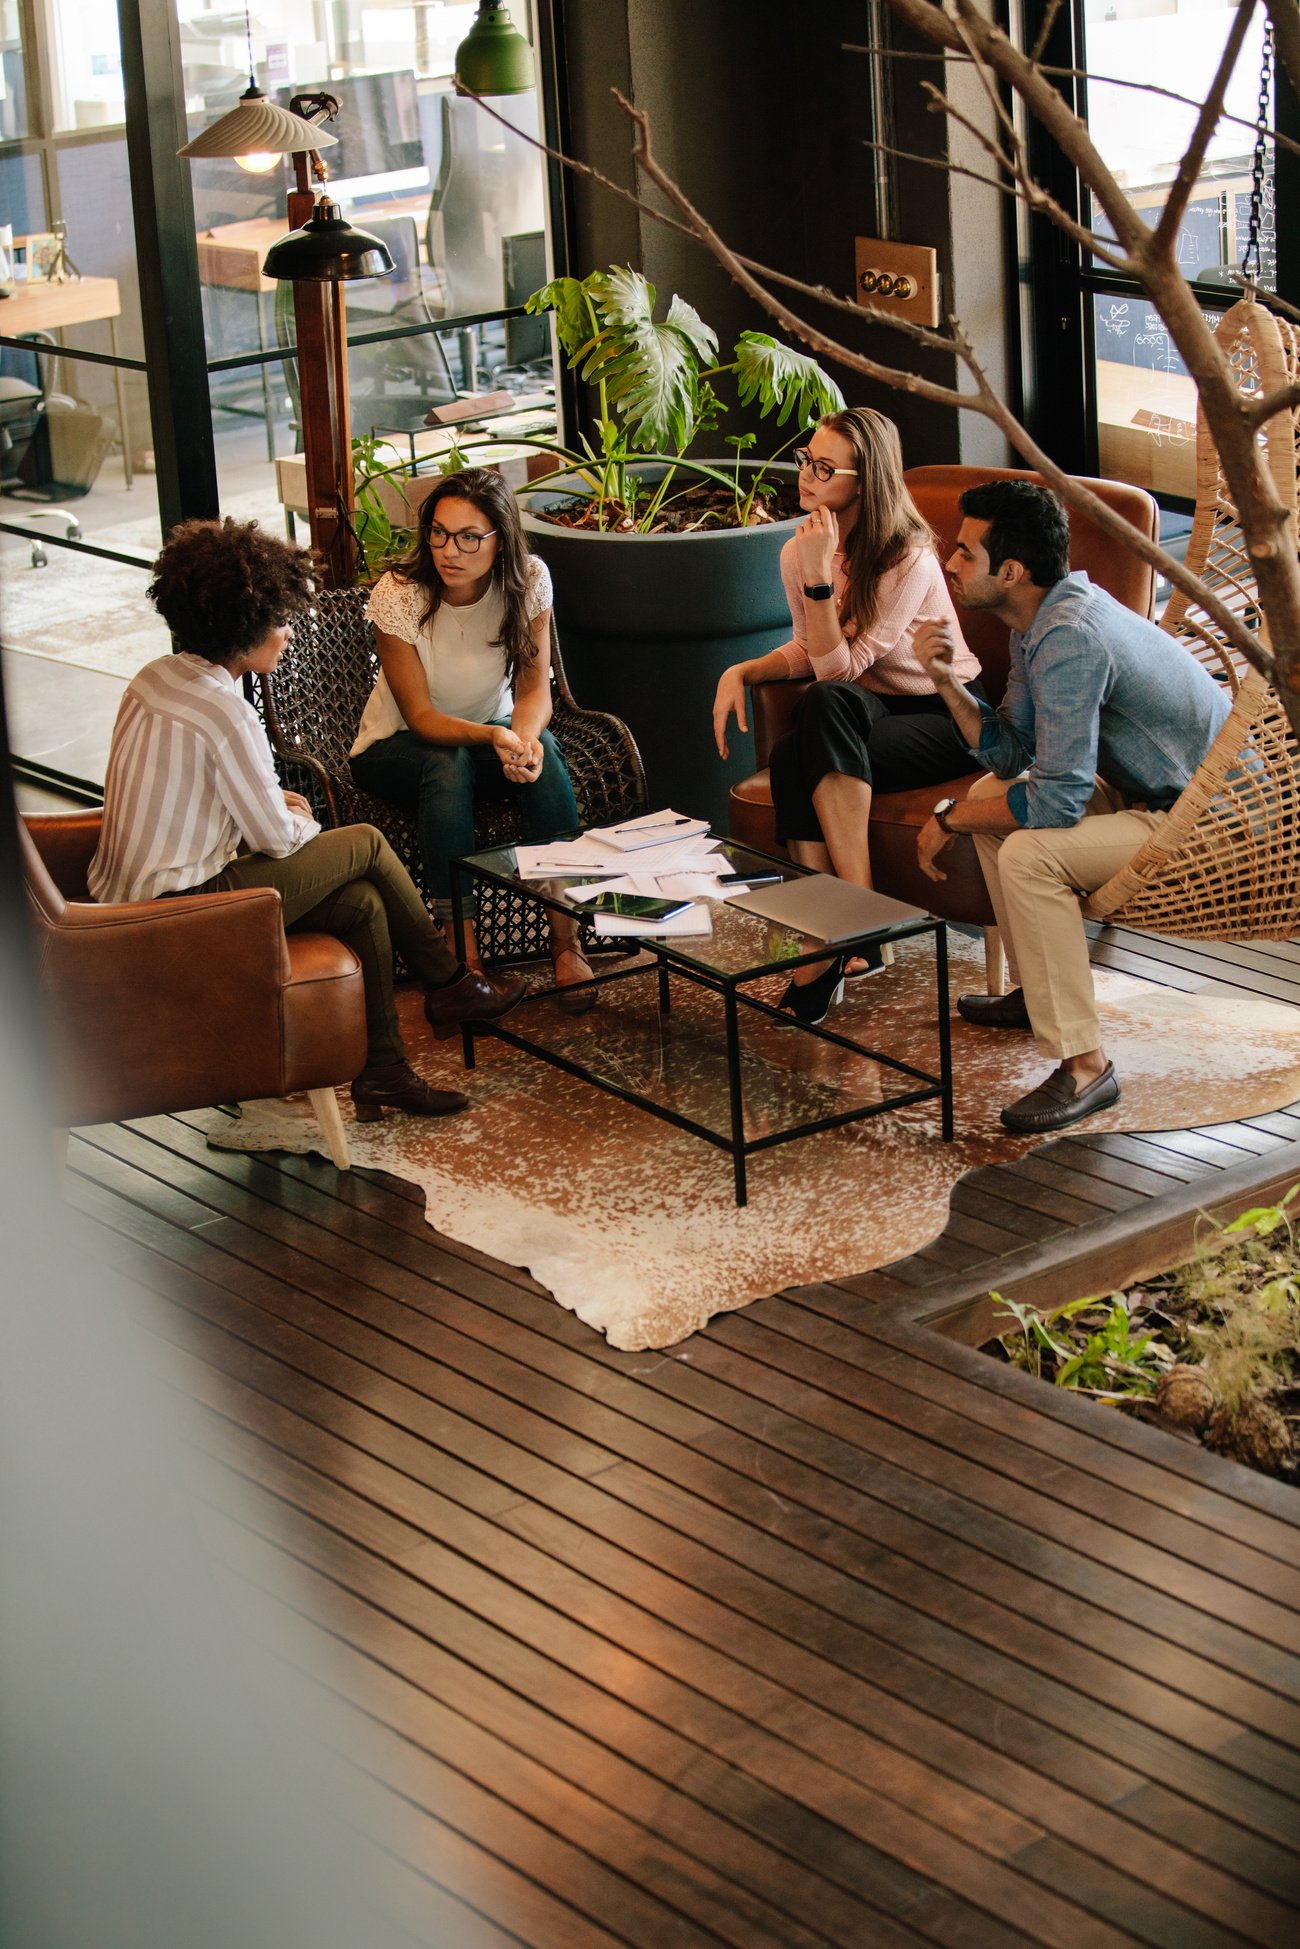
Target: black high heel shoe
x=810, y=1002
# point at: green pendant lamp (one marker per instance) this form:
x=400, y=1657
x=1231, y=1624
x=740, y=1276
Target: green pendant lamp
x=494, y=58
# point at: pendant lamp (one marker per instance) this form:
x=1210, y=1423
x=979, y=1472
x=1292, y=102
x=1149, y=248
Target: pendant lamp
x=494, y=58
x=256, y=131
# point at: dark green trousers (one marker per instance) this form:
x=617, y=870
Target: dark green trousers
x=350, y=883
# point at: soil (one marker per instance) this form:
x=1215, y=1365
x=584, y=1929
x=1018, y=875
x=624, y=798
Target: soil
x=694, y=511
x=1221, y=1364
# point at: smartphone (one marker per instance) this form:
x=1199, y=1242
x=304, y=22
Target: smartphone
x=636, y=906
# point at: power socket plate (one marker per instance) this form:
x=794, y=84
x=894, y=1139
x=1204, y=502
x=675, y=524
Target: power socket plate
x=916, y=261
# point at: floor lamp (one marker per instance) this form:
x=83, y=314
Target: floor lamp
x=320, y=253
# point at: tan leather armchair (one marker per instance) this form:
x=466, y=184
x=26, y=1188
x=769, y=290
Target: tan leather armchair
x=159, y=1005
x=897, y=817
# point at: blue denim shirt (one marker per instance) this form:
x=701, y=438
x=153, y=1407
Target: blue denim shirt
x=1097, y=692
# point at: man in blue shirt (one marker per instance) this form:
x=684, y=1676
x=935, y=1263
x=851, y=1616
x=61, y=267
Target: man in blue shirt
x=1104, y=720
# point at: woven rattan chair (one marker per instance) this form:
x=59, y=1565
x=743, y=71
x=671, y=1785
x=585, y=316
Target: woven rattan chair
x=1225, y=864
x=312, y=706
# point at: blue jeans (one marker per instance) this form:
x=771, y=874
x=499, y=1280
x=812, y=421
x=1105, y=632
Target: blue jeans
x=437, y=784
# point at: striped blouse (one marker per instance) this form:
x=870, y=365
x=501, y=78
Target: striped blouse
x=191, y=782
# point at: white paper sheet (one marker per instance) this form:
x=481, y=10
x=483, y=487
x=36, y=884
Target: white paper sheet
x=650, y=829
x=564, y=856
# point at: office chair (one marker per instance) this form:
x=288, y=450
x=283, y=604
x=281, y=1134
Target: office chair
x=489, y=187
x=393, y=383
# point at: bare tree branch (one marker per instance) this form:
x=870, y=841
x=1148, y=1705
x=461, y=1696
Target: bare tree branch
x=984, y=400
x=1029, y=190
x=1189, y=169
x=1093, y=80
x=1045, y=32
x=1264, y=407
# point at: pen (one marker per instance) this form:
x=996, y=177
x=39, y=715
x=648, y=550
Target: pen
x=653, y=825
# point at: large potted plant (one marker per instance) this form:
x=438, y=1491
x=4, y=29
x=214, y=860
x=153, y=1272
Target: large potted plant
x=666, y=566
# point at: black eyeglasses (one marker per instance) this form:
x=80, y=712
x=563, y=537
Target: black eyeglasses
x=468, y=540
x=820, y=469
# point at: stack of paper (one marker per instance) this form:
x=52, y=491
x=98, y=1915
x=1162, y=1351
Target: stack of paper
x=651, y=829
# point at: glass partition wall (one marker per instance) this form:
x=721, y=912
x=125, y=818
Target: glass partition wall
x=458, y=198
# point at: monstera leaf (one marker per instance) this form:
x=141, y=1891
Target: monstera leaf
x=649, y=367
x=777, y=377
x=568, y=299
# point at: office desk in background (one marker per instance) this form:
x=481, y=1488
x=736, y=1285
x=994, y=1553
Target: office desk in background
x=38, y=306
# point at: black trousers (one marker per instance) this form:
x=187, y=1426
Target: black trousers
x=891, y=743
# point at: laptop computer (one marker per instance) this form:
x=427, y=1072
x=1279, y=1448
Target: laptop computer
x=825, y=908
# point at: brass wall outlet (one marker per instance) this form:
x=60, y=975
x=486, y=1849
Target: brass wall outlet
x=902, y=278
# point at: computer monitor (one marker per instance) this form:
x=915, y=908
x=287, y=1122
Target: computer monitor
x=523, y=264
x=380, y=150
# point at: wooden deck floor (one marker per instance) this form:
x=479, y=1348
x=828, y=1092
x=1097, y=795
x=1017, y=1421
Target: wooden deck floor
x=819, y=1629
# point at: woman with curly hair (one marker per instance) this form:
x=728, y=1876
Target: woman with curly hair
x=861, y=574
x=463, y=626
x=192, y=803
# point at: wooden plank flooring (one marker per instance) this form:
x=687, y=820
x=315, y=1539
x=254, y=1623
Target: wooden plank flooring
x=820, y=1629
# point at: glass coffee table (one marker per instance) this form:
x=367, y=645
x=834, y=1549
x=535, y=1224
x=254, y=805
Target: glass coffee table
x=683, y=1058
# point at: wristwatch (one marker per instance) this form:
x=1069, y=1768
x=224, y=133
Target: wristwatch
x=941, y=811
x=818, y=591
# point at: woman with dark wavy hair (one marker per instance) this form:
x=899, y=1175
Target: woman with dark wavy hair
x=861, y=575
x=463, y=626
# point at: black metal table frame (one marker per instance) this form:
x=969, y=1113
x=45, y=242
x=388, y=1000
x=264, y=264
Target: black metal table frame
x=730, y=987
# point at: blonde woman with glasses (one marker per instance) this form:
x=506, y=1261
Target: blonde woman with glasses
x=861, y=575
x=463, y=627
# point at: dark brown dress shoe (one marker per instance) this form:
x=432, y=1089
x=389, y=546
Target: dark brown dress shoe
x=396, y=1086
x=1059, y=1101
x=473, y=997
x=995, y=1011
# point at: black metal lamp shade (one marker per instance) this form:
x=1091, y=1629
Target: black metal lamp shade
x=326, y=250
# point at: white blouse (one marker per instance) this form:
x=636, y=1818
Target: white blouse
x=459, y=649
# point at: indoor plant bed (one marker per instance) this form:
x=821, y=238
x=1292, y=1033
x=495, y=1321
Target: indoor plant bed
x=1209, y=1349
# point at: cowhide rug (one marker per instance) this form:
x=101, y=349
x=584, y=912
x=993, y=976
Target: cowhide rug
x=631, y=1224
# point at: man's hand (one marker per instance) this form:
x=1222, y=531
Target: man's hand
x=930, y=842
x=935, y=646
x=297, y=803
x=729, y=699
x=816, y=541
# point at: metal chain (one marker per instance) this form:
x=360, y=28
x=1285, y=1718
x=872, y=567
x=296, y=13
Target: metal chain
x=1250, y=272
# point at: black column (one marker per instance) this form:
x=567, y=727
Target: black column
x=167, y=257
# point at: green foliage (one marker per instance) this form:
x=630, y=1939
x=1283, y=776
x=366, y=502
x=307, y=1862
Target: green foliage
x=1112, y=1362
x=654, y=381
x=1263, y=1219
x=381, y=541
x=783, y=381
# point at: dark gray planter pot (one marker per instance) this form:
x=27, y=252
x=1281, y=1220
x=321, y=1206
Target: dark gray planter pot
x=648, y=623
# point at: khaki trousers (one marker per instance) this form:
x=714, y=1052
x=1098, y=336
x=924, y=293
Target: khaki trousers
x=1035, y=877
x=350, y=883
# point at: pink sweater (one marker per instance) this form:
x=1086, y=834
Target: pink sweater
x=909, y=594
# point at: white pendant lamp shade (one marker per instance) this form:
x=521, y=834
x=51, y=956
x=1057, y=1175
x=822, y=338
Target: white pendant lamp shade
x=258, y=127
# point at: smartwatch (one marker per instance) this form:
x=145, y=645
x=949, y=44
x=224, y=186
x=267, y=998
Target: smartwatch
x=818, y=591
x=941, y=811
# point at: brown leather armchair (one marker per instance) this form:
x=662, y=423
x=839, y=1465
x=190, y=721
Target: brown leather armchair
x=897, y=817
x=159, y=1005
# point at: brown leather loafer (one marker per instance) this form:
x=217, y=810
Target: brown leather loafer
x=473, y=997
x=1059, y=1101
x=995, y=1011
x=396, y=1086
